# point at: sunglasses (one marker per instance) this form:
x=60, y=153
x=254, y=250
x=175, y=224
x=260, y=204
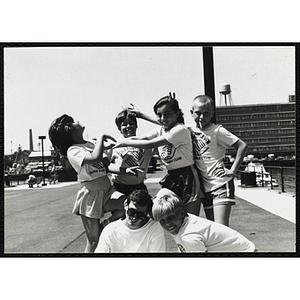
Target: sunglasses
x=134, y=213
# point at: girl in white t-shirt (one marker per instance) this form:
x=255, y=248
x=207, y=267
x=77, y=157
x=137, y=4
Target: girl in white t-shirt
x=174, y=144
x=96, y=195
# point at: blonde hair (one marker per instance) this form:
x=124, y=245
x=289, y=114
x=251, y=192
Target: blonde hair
x=165, y=202
x=204, y=99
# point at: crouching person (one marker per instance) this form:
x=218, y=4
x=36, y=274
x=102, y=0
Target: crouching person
x=192, y=233
x=137, y=232
x=31, y=181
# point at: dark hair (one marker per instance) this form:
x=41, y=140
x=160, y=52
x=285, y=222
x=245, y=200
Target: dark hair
x=60, y=133
x=141, y=198
x=169, y=100
x=122, y=116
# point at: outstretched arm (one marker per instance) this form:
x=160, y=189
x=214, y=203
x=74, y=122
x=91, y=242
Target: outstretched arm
x=117, y=169
x=141, y=143
x=133, y=109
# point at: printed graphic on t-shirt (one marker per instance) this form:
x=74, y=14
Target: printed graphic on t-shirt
x=219, y=171
x=181, y=248
x=167, y=152
x=133, y=157
x=99, y=167
x=200, y=144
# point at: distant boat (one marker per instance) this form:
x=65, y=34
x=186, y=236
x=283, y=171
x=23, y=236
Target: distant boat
x=262, y=176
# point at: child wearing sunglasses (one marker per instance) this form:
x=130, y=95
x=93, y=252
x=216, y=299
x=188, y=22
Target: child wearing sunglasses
x=137, y=232
x=192, y=233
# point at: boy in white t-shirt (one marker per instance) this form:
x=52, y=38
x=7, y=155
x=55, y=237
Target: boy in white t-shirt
x=127, y=157
x=210, y=142
x=192, y=233
x=135, y=233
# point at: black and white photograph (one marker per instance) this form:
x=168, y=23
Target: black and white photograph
x=150, y=149
x=100, y=199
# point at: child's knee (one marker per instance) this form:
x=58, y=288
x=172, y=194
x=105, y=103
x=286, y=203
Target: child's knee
x=117, y=214
x=115, y=204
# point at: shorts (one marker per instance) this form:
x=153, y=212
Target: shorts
x=127, y=189
x=92, y=196
x=184, y=182
x=220, y=196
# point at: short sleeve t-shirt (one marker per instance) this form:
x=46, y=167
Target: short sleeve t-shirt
x=129, y=157
x=117, y=237
x=201, y=235
x=86, y=172
x=179, y=153
x=209, y=145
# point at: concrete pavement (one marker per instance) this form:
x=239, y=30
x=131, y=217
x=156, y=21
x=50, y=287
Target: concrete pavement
x=280, y=204
x=39, y=220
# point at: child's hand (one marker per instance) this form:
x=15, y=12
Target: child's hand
x=133, y=170
x=108, y=142
x=108, y=145
x=107, y=136
x=228, y=173
x=134, y=110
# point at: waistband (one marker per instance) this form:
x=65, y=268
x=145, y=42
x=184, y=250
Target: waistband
x=181, y=169
x=97, y=183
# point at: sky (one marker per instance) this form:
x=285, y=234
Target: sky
x=92, y=84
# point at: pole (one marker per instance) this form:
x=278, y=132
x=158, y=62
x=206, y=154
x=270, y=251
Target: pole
x=30, y=141
x=282, y=179
x=42, y=139
x=209, y=82
x=11, y=153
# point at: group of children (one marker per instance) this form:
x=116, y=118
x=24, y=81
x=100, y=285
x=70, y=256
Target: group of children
x=196, y=174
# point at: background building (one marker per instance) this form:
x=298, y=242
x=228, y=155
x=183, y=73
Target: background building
x=266, y=128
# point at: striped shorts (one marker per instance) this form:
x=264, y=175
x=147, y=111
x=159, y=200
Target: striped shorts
x=220, y=196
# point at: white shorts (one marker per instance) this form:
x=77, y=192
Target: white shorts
x=92, y=196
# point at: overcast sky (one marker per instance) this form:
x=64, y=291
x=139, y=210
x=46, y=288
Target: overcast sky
x=93, y=83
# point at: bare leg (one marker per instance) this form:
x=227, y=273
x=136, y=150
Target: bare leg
x=92, y=230
x=222, y=213
x=116, y=206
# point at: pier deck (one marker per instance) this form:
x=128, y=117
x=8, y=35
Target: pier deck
x=39, y=220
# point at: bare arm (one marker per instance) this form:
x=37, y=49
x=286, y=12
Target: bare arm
x=241, y=149
x=142, y=143
x=117, y=169
x=97, y=155
x=132, y=108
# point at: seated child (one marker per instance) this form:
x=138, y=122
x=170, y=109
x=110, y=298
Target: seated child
x=135, y=233
x=192, y=233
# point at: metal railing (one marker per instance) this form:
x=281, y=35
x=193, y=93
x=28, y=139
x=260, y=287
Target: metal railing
x=10, y=178
x=285, y=176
